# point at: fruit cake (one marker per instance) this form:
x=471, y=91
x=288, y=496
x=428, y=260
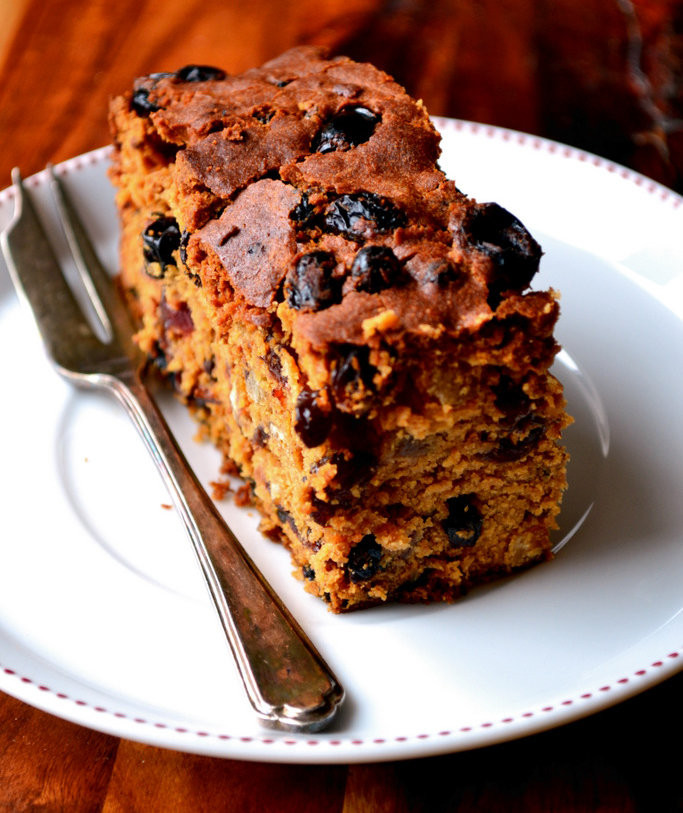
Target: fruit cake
x=354, y=333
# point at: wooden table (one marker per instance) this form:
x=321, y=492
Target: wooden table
x=609, y=80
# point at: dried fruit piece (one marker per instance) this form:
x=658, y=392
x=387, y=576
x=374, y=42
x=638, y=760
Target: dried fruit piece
x=199, y=73
x=504, y=238
x=463, y=523
x=260, y=437
x=274, y=364
x=312, y=418
x=440, y=272
x=375, y=268
x=141, y=104
x=364, y=559
x=286, y=518
x=361, y=213
x=310, y=285
x=353, y=125
x=321, y=511
x=510, y=449
x=303, y=211
x=352, y=371
x=175, y=320
x=159, y=241
x=353, y=470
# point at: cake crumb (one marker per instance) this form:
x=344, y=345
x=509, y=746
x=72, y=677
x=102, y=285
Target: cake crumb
x=219, y=488
x=230, y=468
x=380, y=323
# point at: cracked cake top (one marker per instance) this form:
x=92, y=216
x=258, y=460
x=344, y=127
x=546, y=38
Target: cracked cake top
x=312, y=187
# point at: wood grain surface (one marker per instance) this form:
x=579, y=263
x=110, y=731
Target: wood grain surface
x=607, y=78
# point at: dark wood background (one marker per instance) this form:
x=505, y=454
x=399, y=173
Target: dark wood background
x=603, y=75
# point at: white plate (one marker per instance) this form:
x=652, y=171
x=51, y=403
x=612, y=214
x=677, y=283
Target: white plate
x=104, y=618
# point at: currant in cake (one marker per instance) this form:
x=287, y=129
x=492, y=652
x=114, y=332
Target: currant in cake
x=356, y=335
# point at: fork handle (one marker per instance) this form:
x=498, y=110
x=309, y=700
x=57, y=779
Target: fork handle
x=288, y=683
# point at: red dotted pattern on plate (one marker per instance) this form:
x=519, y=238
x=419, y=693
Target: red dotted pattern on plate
x=290, y=741
x=563, y=151
x=97, y=156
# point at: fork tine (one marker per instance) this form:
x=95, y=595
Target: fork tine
x=37, y=275
x=105, y=299
x=94, y=278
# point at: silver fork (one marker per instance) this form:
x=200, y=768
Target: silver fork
x=288, y=683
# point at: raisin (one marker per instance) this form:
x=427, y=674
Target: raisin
x=352, y=370
x=202, y=398
x=286, y=518
x=518, y=418
x=312, y=422
x=308, y=573
x=274, y=364
x=364, y=558
x=159, y=240
x=463, y=523
x=375, y=268
x=140, y=103
x=440, y=273
x=351, y=126
x=176, y=320
x=511, y=400
x=322, y=511
x=353, y=470
x=502, y=237
x=260, y=437
x=303, y=211
x=199, y=73
x=509, y=449
x=353, y=215
x=309, y=285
